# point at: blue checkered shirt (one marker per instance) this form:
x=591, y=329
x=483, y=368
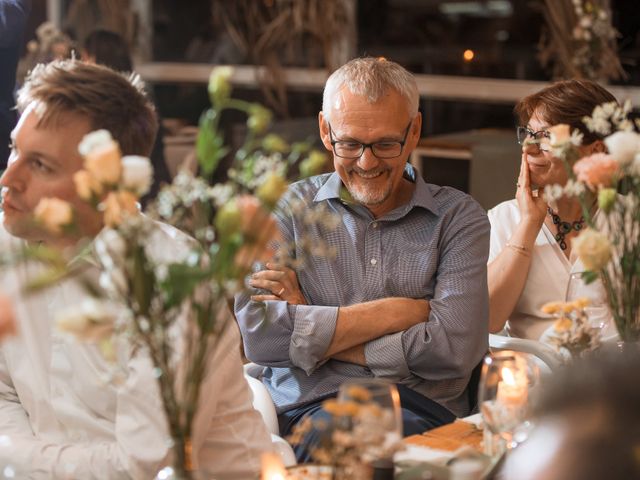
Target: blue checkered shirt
x=434, y=247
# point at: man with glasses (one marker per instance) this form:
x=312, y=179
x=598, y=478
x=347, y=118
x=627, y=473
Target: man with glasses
x=404, y=298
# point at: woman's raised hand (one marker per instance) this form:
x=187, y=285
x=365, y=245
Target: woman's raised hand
x=532, y=205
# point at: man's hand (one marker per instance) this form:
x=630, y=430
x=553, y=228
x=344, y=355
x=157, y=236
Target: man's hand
x=281, y=281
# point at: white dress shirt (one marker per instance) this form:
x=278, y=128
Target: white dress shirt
x=64, y=414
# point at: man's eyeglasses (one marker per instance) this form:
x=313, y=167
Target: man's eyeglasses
x=351, y=149
x=527, y=136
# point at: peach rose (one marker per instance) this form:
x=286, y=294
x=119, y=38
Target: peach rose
x=563, y=324
x=86, y=185
x=597, y=170
x=117, y=206
x=104, y=163
x=551, y=308
x=7, y=318
x=54, y=214
x=559, y=133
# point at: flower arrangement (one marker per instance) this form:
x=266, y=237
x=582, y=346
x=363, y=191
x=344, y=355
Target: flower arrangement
x=359, y=433
x=581, y=40
x=610, y=247
x=173, y=308
x=571, y=330
x=593, y=37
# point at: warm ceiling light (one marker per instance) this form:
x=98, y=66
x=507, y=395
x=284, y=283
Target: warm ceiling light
x=468, y=55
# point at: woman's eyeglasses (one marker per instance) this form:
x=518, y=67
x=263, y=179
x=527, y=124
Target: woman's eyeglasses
x=527, y=136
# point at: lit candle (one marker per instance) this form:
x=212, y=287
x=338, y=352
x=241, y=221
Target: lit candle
x=512, y=390
x=272, y=467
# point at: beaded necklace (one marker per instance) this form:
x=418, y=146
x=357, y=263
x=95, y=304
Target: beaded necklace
x=564, y=227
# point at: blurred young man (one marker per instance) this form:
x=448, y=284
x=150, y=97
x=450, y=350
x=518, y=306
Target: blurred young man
x=63, y=415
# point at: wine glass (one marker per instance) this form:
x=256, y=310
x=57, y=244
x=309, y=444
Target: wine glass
x=378, y=418
x=597, y=311
x=505, y=393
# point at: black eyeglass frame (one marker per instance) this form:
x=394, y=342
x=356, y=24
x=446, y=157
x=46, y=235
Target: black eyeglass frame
x=364, y=146
x=522, y=133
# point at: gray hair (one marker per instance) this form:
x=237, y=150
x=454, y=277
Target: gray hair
x=371, y=78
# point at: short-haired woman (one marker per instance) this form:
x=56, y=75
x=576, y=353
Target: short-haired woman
x=530, y=258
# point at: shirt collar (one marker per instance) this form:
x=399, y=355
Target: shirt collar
x=422, y=196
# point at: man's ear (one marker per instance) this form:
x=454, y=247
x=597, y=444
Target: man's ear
x=324, y=132
x=416, y=131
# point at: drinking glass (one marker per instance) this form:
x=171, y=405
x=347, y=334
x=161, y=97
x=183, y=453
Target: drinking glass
x=505, y=391
x=378, y=421
x=597, y=311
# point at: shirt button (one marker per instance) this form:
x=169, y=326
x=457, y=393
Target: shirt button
x=374, y=224
x=373, y=261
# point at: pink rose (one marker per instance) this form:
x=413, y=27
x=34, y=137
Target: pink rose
x=597, y=170
x=7, y=318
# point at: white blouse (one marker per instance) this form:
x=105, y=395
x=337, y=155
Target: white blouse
x=548, y=275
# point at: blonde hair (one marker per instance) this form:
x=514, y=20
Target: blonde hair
x=106, y=98
x=371, y=78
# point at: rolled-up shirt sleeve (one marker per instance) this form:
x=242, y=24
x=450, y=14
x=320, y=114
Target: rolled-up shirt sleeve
x=454, y=339
x=277, y=334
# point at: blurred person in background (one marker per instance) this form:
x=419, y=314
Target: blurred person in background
x=587, y=423
x=13, y=19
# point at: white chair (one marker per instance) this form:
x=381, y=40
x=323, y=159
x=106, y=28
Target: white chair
x=263, y=403
x=549, y=359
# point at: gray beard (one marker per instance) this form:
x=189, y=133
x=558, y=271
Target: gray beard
x=370, y=198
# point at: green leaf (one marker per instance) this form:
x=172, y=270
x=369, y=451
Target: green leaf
x=143, y=280
x=589, y=276
x=181, y=281
x=46, y=280
x=210, y=147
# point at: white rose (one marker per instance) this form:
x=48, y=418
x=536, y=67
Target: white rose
x=90, y=321
x=137, y=174
x=623, y=146
x=93, y=140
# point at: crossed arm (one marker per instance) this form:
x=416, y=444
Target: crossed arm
x=354, y=327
